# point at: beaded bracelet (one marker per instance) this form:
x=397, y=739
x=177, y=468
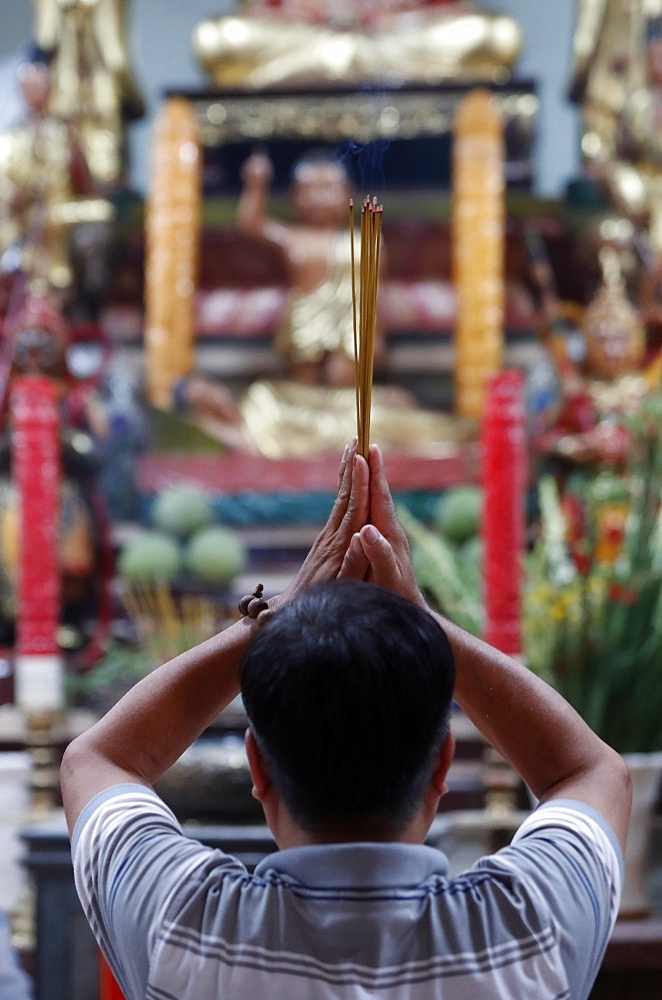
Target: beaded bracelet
x=255, y=606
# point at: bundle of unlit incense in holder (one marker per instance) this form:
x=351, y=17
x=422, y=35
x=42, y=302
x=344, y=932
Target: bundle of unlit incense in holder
x=365, y=312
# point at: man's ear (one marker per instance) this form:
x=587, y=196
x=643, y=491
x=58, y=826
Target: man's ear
x=259, y=773
x=444, y=761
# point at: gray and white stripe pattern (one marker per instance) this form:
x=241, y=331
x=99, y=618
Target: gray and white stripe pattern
x=179, y=921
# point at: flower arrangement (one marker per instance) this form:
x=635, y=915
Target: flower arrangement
x=593, y=603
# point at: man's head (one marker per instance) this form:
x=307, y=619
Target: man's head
x=348, y=692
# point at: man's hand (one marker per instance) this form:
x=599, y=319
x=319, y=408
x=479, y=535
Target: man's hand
x=379, y=551
x=348, y=515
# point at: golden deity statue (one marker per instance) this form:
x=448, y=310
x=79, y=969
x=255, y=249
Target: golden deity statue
x=93, y=84
x=313, y=408
x=46, y=188
x=607, y=64
x=618, y=83
x=610, y=381
x=295, y=43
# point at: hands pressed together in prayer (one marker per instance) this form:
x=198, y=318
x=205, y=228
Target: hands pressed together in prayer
x=362, y=538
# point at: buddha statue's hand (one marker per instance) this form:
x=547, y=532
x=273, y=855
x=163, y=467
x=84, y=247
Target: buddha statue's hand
x=257, y=171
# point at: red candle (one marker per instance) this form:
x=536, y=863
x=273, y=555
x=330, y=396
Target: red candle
x=503, y=520
x=36, y=472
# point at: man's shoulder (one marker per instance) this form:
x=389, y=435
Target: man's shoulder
x=562, y=843
x=116, y=801
x=574, y=816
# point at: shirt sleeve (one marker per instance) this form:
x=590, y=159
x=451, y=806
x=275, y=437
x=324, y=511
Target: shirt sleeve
x=130, y=855
x=569, y=861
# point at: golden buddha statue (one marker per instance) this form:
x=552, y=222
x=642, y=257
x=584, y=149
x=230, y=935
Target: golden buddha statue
x=317, y=334
x=292, y=43
x=313, y=409
x=92, y=80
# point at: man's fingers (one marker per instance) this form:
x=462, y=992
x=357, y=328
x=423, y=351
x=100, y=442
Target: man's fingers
x=348, y=514
x=343, y=462
x=345, y=477
x=382, y=508
x=379, y=552
x=355, y=564
x=358, y=505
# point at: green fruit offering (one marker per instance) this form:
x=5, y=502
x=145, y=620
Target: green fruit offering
x=182, y=509
x=152, y=555
x=215, y=555
x=458, y=517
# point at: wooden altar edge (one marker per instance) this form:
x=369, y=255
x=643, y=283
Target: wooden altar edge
x=233, y=473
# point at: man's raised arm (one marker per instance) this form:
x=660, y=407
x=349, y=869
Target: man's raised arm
x=529, y=723
x=149, y=729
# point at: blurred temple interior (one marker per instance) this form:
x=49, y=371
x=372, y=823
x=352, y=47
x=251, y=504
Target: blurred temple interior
x=178, y=378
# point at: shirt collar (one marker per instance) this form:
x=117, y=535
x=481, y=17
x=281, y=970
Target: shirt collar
x=364, y=865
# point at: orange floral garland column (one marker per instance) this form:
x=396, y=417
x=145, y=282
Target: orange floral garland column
x=172, y=236
x=478, y=248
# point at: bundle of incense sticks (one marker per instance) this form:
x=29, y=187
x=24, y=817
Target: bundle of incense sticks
x=365, y=318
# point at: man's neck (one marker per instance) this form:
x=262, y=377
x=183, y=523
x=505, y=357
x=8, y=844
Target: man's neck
x=291, y=834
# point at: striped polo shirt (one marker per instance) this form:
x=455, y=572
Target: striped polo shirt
x=181, y=921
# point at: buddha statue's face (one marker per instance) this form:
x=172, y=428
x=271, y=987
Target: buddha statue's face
x=614, y=347
x=321, y=194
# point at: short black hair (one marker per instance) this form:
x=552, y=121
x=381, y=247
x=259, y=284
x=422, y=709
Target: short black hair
x=348, y=691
